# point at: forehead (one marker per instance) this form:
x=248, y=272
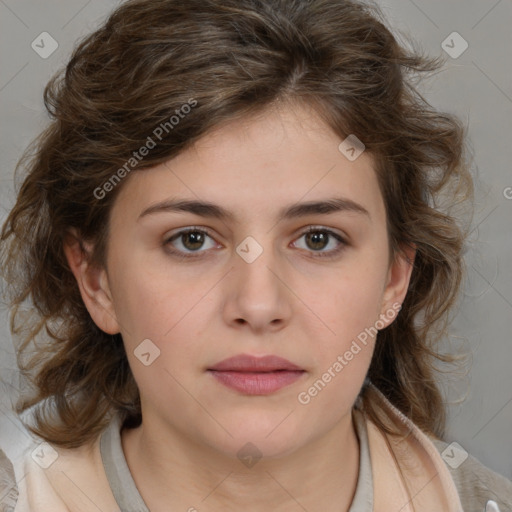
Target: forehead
x=256, y=165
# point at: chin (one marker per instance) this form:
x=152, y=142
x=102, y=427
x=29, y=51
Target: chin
x=270, y=439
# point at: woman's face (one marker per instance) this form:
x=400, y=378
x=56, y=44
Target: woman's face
x=251, y=281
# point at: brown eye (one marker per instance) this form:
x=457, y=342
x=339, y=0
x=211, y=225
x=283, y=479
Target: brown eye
x=317, y=240
x=189, y=241
x=193, y=240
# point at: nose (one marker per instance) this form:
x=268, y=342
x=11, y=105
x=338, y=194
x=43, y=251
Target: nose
x=257, y=295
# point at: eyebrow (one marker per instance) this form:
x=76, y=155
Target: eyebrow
x=214, y=211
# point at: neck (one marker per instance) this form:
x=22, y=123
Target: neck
x=172, y=472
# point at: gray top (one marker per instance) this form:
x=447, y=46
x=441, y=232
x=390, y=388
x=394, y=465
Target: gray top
x=129, y=500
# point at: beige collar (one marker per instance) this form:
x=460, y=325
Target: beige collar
x=409, y=474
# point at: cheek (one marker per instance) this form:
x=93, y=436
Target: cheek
x=168, y=308
x=354, y=326
x=350, y=308
x=150, y=295
x=342, y=357
x=351, y=301
x=167, y=312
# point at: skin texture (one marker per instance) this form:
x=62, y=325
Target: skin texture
x=289, y=302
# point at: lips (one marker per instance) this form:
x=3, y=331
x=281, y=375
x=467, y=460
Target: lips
x=256, y=375
x=247, y=363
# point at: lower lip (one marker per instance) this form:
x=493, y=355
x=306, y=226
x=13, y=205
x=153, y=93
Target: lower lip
x=261, y=383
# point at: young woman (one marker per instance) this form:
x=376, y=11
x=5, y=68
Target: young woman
x=238, y=274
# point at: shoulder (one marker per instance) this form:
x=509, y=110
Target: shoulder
x=8, y=486
x=476, y=483
x=49, y=478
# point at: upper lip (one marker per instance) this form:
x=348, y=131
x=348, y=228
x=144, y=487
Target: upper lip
x=248, y=363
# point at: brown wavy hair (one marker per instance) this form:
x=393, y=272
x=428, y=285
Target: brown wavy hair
x=234, y=58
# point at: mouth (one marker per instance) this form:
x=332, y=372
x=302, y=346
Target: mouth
x=252, y=375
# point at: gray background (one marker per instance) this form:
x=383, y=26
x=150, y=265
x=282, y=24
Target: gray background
x=476, y=86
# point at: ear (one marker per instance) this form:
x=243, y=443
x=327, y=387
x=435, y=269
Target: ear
x=397, y=283
x=92, y=282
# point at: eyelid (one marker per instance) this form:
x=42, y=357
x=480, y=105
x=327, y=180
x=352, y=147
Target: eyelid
x=326, y=229
x=333, y=253
x=341, y=238
x=183, y=231
x=188, y=229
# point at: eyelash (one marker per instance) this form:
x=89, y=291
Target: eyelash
x=312, y=229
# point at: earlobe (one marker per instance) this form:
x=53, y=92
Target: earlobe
x=399, y=276
x=92, y=282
